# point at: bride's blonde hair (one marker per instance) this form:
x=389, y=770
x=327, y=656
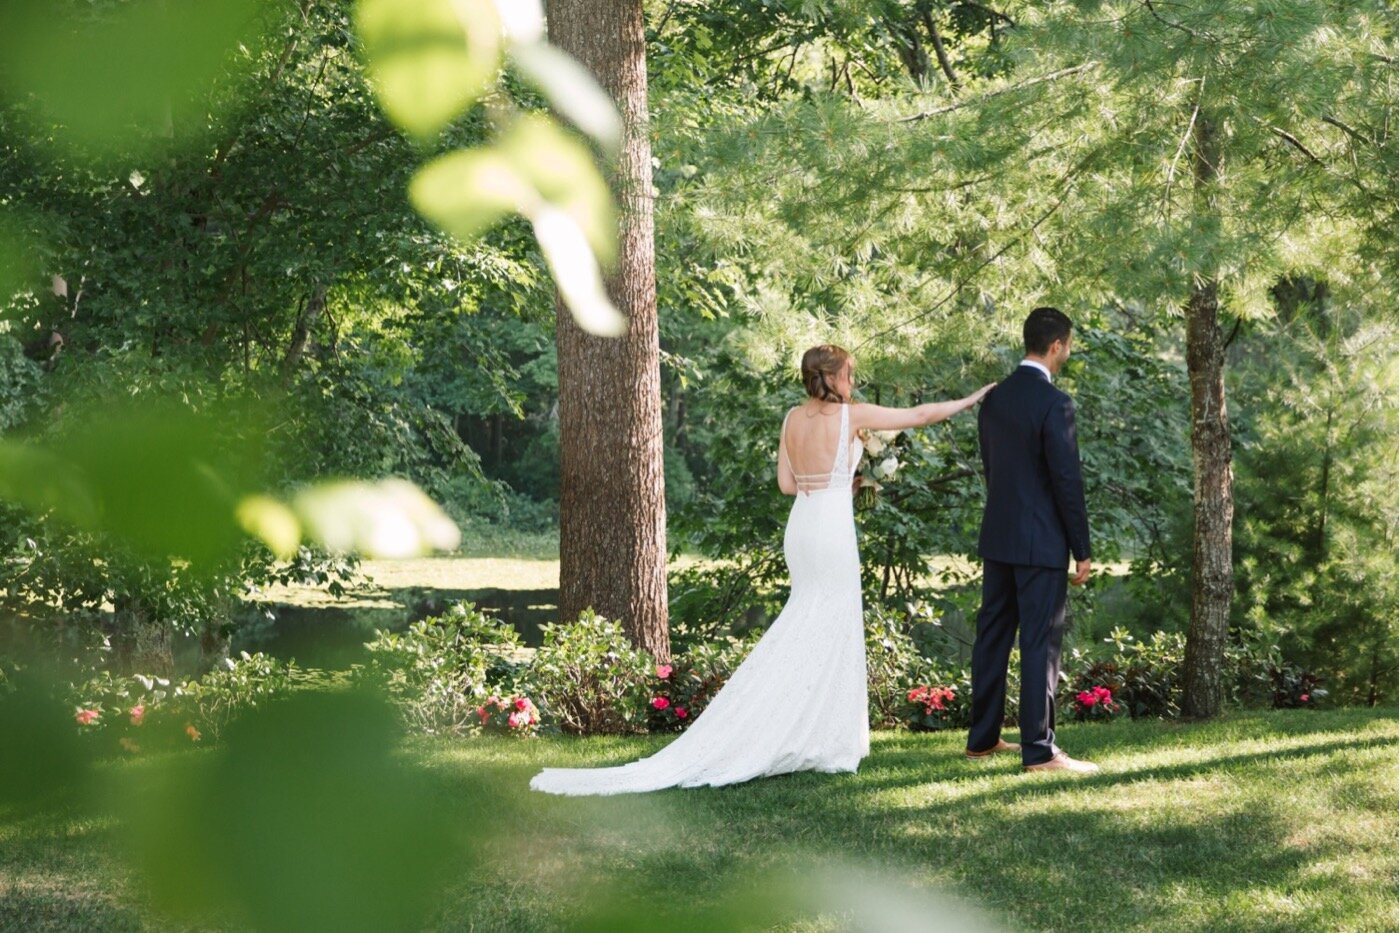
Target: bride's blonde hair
x=820, y=365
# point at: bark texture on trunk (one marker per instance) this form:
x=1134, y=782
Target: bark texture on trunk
x=1212, y=570
x=612, y=507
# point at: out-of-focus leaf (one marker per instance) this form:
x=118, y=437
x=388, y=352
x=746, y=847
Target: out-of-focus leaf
x=41, y=481
x=391, y=518
x=572, y=90
x=562, y=170
x=575, y=271
x=137, y=67
x=429, y=59
x=539, y=170
x=523, y=20
x=305, y=819
x=160, y=478
x=45, y=758
x=468, y=191
x=272, y=523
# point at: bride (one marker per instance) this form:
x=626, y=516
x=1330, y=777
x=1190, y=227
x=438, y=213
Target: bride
x=798, y=701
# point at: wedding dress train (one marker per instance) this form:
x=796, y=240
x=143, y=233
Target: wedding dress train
x=798, y=702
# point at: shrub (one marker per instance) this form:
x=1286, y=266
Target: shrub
x=1295, y=688
x=1142, y=676
x=440, y=669
x=590, y=678
x=141, y=712
x=934, y=708
x=691, y=680
x=893, y=665
x=508, y=716
x=1095, y=704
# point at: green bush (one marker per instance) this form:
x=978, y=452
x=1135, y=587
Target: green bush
x=1142, y=675
x=590, y=678
x=142, y=712
x=892, y=664
x=440, y=669
x=691, y=680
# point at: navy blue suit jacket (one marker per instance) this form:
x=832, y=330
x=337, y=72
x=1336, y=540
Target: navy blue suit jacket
x=1035, y=514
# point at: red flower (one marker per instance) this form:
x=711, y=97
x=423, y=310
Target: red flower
x=681, y=713
x=663, y=671
x=1303, y=698
x=1087, y=699
x=87, y=717
x=660, y=703
x=138, y=713
x=521, y=702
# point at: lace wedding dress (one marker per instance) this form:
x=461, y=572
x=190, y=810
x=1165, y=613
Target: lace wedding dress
x=798, y=702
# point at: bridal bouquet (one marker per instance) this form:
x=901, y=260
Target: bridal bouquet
x=874, y=467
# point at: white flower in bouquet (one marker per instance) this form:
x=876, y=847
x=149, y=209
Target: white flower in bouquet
x=876, y=441
x=886, y=467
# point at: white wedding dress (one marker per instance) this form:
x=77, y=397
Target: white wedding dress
x=798, y=702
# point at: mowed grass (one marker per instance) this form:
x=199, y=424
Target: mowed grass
x=1262, y=821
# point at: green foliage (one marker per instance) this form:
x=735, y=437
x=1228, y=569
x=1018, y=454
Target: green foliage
x=20, y=384
x=589, y=677
x=1144, y=676
x=140, y=712
x=893, y=665
x=1316, y=503
x=696, y=674
x=439, y=671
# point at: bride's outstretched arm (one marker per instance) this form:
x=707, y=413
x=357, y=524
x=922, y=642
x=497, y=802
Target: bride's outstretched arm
x=878, y=418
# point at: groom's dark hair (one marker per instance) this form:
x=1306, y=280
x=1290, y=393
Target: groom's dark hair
x=1043, y=327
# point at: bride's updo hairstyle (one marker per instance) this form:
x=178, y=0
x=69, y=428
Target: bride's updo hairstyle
x=820, y=367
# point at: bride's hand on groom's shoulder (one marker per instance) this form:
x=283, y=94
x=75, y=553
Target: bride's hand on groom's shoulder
x=976, y=397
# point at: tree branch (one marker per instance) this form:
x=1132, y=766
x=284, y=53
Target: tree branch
x=1052, y=76
x=927, y=16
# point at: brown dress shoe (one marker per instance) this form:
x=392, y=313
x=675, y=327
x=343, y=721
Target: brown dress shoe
x=1001, y=746
x=1062, y=762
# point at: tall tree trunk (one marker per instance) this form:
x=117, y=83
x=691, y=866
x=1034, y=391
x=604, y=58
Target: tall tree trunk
x=612, y=503
x=1212, y=572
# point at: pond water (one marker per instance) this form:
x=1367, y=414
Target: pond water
x=332, y=635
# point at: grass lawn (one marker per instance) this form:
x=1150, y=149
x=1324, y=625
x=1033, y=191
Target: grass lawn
x=1261, y=821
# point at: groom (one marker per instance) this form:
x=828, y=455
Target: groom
x=1034, y=519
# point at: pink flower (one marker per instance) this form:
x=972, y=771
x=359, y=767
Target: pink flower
x=663, y=671
x=521, y=702
x=513, y=720
x=914, y=695
x=482, y=714
x=1103, y=693
x=138, y=713
x=87, y=717
x=660, y=703
x=1303, y=698
x=1087, y=699
x=681, y=713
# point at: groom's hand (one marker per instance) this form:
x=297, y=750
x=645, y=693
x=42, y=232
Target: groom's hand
x=1081, y=572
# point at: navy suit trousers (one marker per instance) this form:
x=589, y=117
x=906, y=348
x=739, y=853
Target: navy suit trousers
x=1031, y=599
